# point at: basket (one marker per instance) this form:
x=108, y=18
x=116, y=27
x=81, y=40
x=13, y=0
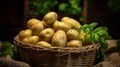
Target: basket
x=38, y=56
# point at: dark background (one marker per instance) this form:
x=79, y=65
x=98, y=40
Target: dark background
x=12, y=17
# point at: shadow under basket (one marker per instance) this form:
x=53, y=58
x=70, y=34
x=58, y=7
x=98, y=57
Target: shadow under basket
x=38, y=56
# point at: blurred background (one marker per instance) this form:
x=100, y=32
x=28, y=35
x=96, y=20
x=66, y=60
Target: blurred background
x=15, y=13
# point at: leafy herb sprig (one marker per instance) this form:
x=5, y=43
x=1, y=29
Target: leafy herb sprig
x=92, y=33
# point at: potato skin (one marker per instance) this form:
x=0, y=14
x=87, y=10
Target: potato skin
x=72, y=34
x=50, y=18
x=59, y=39
x=74, y=43
x=46, y=34
x=72, y=22
x=46, y=25
x=61, y=26
x=31, y=40
x=31, y=22
x=37, y=28
x=43, y=44
x=25, y=33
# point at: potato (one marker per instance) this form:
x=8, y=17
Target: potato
x=25, y=33
x=50, y=18
x=43, y=44
x=31, y=40
x=46, y=34
x=61, y=26
x=59, y=39
x=72, y=34
x=46, y=25
x=37, y=28
x=31, y=22
x=74, y=43
x=72, y=22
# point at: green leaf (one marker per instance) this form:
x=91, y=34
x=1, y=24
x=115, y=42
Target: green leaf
x=96, y=38
x=100, y=28
x=104, y=44
x=102, y=53
x=63, y=6
x=8, y=49
x=93, y=25
x=101, y=32
x=74, y=2
x=103, y=47
x=84, y=27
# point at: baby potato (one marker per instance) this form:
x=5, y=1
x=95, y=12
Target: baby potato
x=25, y=33
x=59, y=39
x=74, y=43
x=46, y=25
x=46, y=34
x=72, y=34
x=37, y=28
x=50, y=18
x=43, y=44
x=31, y=40
x=72, y=22
x=61, y=26
x=31, y=22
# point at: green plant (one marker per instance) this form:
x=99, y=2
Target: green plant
x=91, y=33
x=8, y=48
x=72, y=7
x=42, y=6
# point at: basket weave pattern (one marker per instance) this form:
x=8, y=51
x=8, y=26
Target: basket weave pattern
x=57, y=56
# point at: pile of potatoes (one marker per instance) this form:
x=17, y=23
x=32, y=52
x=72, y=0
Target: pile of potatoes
x=50, y=32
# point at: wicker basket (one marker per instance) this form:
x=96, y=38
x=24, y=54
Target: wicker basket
x=56, y=56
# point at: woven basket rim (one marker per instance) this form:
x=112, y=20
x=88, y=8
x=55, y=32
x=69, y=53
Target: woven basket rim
x=19, y=43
